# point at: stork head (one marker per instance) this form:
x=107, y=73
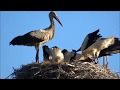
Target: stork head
x=64, y=51
x=47, y=49
x=45, y=46
x=55, y=48
x=52, y=14
x=73, y=53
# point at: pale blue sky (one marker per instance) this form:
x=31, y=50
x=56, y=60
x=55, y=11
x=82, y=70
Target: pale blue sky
x=76, y=25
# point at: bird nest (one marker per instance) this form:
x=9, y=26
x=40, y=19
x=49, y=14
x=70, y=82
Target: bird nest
x=79, y=70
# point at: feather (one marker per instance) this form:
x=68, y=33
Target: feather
x=89, y=40
x=47, y=54
x=57, y=55
x=113, y=49
x=99, y=45
x=26, y=40
x=69, y=56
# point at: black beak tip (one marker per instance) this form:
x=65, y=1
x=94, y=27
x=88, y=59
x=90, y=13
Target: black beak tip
x=61, y=25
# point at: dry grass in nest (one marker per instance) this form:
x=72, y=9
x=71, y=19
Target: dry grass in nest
x=79, y=70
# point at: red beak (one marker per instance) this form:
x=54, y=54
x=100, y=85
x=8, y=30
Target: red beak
x=58, y=20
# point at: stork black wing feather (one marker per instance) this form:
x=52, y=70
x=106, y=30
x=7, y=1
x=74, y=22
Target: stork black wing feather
x=113, y=49
x=26, y=40
x=92, y=38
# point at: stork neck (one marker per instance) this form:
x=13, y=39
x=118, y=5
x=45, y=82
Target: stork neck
x=51, y=29
x=51, y=21
x=52, y=26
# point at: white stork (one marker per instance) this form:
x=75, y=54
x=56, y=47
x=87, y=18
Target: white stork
x=54, y=54
x=91, y=38
x=112, y=49
x=94, y=50
x=38, y=37
x=57, y=55
x=47, y=54
x=69, y=56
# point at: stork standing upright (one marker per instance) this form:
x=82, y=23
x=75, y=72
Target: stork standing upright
x=38, y=37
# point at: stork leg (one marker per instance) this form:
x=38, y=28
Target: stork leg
x=97, y=60
x=106, y=61
x=96, y=57
x=37, y=52
x=105, y=58
x=103, y=61
x=37, y=57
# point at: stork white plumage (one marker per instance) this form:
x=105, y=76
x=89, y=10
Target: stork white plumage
x=87, y=42
x=92, y=38
x=94, y=50
x=53, y=55
x=112, y=49
x=69, y=56
x=57, y=55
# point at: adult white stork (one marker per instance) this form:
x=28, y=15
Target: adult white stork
x=113, y=49
x=38, y=37
x=94, y=50
x=89, y=40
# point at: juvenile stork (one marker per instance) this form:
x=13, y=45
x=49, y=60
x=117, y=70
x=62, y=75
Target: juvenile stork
x=47, y=54
x=53, y=55
x=57, y=55
x=38, y=37
x=69, y=56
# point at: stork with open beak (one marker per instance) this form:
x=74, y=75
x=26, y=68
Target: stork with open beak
x=38, y=37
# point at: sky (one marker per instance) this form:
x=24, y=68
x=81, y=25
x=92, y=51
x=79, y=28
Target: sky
x=76, y=25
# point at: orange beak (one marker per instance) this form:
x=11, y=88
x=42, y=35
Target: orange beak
x=58, y=20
